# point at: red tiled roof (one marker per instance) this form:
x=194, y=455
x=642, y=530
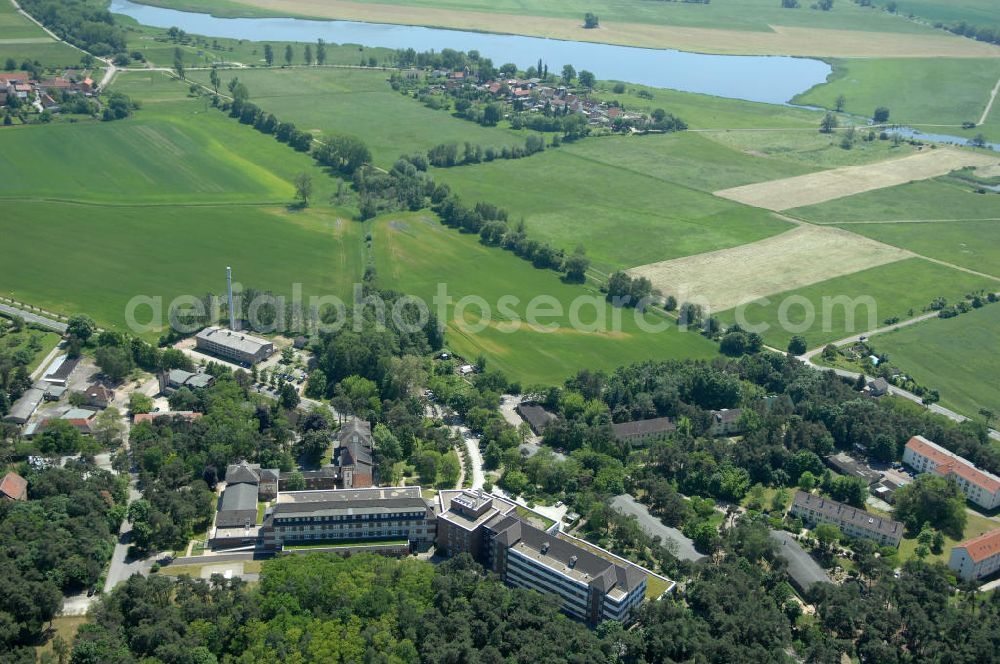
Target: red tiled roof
x=982, y=547
x=14, y=486
x=948, y=464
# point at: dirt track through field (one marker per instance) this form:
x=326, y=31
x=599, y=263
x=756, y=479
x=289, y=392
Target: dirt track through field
x=802, y=256
x=802, y=190
x=782, y=40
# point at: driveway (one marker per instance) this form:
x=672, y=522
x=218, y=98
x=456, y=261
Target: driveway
x=121, y=568
x=472, y=444
x=653, y=527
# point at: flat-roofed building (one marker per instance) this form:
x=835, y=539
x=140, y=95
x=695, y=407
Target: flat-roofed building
x=238, y=347
x=978, y=557
x=345, y=516
x=591, y=588
x=979, y=486
x=814, y=510
x=462, y=515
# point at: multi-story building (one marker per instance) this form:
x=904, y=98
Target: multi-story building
x=980, y=487
x=344, y=516
x=591, y=588
x=852, y=522
x=237, y=347
x=976, y=558
x=354, y=455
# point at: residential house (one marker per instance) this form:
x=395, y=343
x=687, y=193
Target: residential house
x=877, y=388
x=98, y=396
x=537, y=417
x=976, y=558
x=726, y=422
x=13, y=487
x=979, y=486
x=851, y=521
x=643, y=431
x=175, y=379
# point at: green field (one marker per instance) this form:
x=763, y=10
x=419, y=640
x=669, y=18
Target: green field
x=956, y=356
x=977, y=12
x=812, y=149
x=414, y=253
x=360, y=102
x=573, y=195
x=895, y=288
x=916, y=91
x=96, y=213
x=23, y=40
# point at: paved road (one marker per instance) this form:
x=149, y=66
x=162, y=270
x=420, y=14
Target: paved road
x=222, y=558
x=801, y=566
x=472, y=444
x=37, y=319
x=989, y=104
x=121, y=567
x=628, y=505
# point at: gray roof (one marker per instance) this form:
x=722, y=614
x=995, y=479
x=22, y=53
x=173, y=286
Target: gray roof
x=26, y=405
x=178, y=376
x=847, y=465
x=650, y=427
x=350, y=507
x=200, y=380
x=239, y=506
x=358, y=452
x=238, y=341
x=860, y=518
x=804, y=571
x=536, y=416
x=727, y=414
x=243, y=473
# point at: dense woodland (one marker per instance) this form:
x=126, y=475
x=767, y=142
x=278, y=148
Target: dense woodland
x=57, y=541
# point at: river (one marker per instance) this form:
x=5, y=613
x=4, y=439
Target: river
x=769, y=79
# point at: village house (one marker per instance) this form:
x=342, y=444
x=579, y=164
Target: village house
x=979, y=486
x=98, y=396
x=976, y=558
x=877, y=388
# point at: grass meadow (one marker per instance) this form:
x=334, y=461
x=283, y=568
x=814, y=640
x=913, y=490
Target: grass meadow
x=414, y=253
x=159, y=204
x=23, y=40
x=956, y=356
x=360, y=102
x=896, y=288
x=977, y=12
x=916, y=91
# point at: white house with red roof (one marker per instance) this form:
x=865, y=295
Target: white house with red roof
x=979, y=486
x=976, y=558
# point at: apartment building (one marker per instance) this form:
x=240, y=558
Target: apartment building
x=979, y=486
x=976, y=558
x=342, y=516
x=591, y=588
x=814, y=510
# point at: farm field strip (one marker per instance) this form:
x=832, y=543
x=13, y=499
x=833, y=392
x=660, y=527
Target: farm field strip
x=823, y=186
x=797, y=258
x=759, y=37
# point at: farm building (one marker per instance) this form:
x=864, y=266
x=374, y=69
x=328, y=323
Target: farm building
x=25, y=407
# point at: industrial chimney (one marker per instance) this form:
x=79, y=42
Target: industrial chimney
x=234, y=323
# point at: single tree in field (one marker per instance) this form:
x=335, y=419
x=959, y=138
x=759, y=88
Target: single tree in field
x=828, y=123
x=881, y=115
x=797, y=345
x=320, y=52
x=568, y=74
x=179, y=62
x=587, y=79
x=303, y=188
x=576, y=266
x=840, y=103
x=309, y=54
x=213, y=78
x=590, y=20
x=289, y=54
x=268, y=54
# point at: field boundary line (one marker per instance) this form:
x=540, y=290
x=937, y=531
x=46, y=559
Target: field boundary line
x=73, y=201
x=989, y=104
x=902, y=221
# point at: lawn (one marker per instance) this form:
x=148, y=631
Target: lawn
x=11, y=342
x=977, y=12
x=916, y=91
x=361, y=102
x=894, y=289
x=975, y=526
x=956, y=356
x=811, y=149
x=65, y=627
x=415, y=254
x=159, y=205
x=582, y=195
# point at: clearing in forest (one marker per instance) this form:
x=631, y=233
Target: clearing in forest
x=721, y=280
x=814, y=188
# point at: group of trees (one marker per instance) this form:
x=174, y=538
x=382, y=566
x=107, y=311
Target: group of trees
x=84, y=23
x=250, y=114
x=58, y=541
x=624, y=290
x=447, y=155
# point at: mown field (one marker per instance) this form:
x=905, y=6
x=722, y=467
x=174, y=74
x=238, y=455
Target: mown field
x=23, y=40
x=159, y=205
x=414, y=253
x=895, y=288
x=360, y=102
x=915, y=90
x=978, y=12
x=956, y=356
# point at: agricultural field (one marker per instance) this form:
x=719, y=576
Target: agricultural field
x=414, y=253
x=802, y=256
x=143, y=197
x=956, y=356
x=328, y=100
x=978, y=12
x=725, y=26
x=829, y=185
x=916, y=91
x=22, y=40
x=901, y=289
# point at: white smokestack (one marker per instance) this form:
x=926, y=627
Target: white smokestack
x=234, y=323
